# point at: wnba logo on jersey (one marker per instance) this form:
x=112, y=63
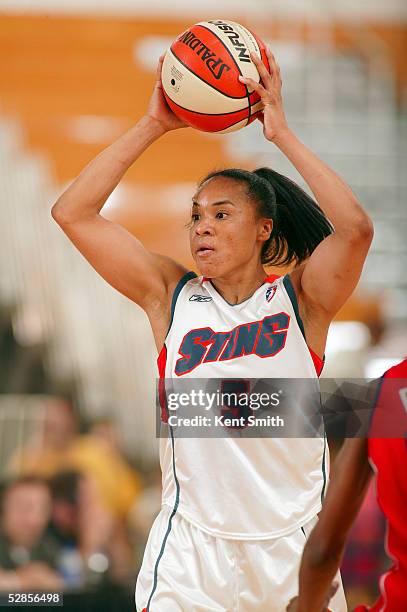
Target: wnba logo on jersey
x=263, y=338
x=270, y=293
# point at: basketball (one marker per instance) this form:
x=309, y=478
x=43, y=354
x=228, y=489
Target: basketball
x=200, y=76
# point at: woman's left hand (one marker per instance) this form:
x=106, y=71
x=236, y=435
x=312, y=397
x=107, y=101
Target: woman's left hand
x=269, y=90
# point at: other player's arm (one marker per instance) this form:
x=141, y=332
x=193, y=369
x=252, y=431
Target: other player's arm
x=118, y=256
x=324, y=548
x=331, y=273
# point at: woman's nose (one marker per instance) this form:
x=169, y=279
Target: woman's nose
x=204, y=227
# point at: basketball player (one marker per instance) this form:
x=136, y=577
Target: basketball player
x=387, y=457
x=235, y=512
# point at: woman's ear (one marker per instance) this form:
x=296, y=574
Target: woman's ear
x=265, y=229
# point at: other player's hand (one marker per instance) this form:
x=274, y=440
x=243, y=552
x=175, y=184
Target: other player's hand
x=269, y=90
x=158, y=108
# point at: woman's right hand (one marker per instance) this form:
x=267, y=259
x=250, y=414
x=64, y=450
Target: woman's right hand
x=158, y=108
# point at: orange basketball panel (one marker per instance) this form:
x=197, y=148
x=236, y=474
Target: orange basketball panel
x=206, y=56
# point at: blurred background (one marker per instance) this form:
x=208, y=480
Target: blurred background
x=78, y=454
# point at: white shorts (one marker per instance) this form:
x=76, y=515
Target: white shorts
x=187, y=570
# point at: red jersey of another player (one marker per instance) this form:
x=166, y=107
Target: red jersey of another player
x=388, y=456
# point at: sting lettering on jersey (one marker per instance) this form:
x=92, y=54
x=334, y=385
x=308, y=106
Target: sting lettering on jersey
x=263, y=338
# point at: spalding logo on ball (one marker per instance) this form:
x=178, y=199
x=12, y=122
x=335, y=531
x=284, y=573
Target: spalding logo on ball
x=201, y=72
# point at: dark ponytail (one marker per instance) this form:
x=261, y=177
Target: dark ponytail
x=299, y=224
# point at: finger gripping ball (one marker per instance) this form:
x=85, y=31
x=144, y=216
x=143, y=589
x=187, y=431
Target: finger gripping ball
x=200, y=76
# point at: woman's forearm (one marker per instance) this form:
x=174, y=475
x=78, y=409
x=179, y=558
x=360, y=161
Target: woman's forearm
x=333, y=195
x=89, y=191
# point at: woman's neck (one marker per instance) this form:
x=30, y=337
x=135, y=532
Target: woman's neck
x=239, y=286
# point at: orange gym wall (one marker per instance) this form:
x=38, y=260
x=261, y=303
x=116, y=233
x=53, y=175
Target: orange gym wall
x=53, y=69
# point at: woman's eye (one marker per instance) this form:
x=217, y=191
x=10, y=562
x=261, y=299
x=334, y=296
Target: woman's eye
x=195, y=217
x=221, y=215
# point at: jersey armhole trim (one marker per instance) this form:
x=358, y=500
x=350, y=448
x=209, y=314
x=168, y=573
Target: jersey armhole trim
x=318, y=362
x=293, y=299
x=181, y=283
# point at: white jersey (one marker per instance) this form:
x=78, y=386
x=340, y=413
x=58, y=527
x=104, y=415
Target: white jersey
x=233, y=487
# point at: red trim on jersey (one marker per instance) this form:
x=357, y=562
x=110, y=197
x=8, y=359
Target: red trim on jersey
x=161, y=361
x=318, y=362
x=271, y=278
x=162, y=397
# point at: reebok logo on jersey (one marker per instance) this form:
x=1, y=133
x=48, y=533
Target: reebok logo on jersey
x=263, y=338
x=200, y=298
x=270, y=293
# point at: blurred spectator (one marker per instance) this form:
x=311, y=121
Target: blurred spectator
x=94, y=545
x=144, y=511
x=43, y=453
x=28, y=557
x=104, y=429
x=148, y=504
x=65, y=528
x=96, y=455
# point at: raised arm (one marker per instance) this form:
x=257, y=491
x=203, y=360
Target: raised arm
x=146, y=278
x=332, y=271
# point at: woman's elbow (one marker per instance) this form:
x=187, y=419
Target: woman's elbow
x=64, y=213
x=59, y=213
x=361, y=229
x=366, y=229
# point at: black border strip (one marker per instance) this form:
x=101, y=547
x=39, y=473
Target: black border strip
x=167, y=533
x=303, y=531
x=324, y=470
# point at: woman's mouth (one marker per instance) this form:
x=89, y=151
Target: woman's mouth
x=204, y=251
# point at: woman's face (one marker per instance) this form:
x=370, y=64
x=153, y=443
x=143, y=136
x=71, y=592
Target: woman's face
x=226, y=232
